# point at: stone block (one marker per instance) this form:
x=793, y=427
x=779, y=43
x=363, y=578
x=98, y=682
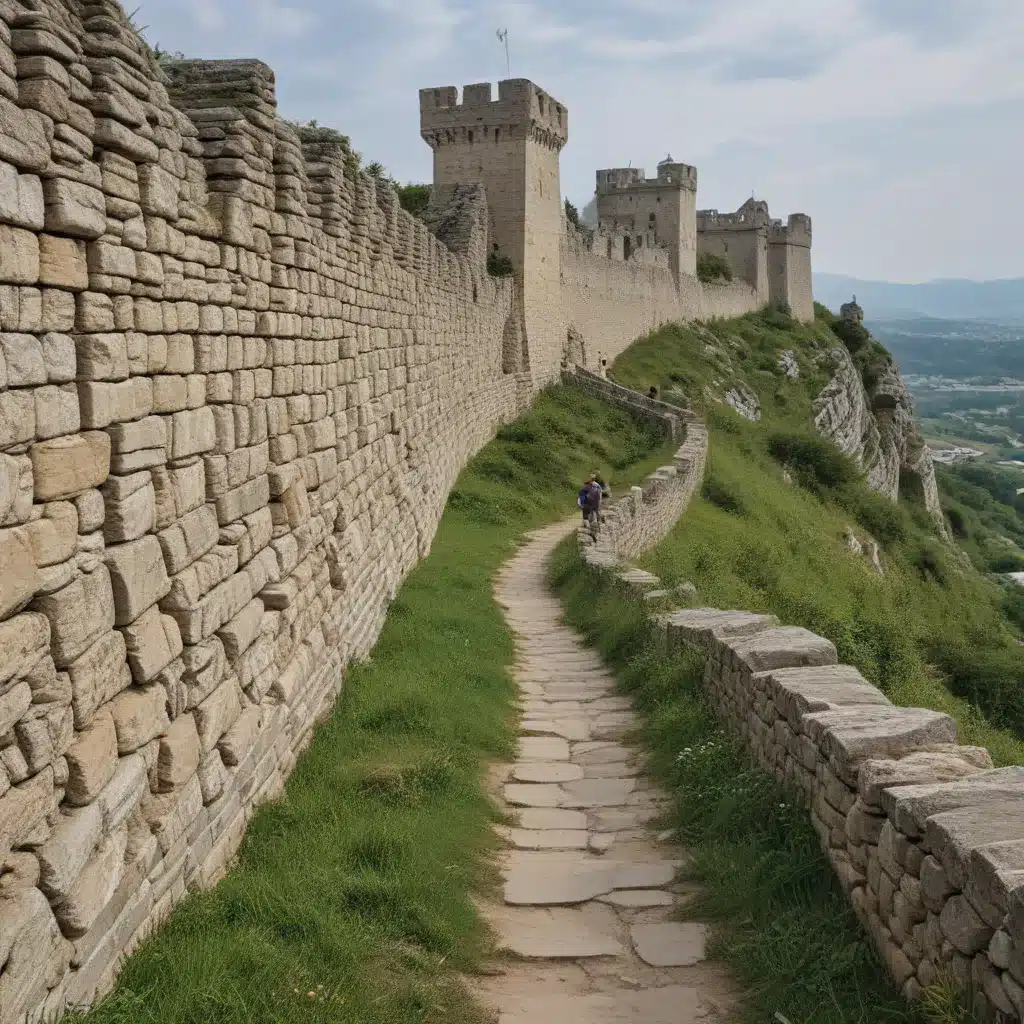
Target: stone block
x=963, y=927
x=179, y=490
x=170, y=814
x=14, y=702
x=192, y=432
x=95, y=886
x=18, y=575
x=244, y=500
x=57, y=411
x=241, y=632
x=216, y=714
x=130, y=504
x=92, y=760
x=59, y=357
x=909, y=807
x=21, y=198
x=17, y=418
x=62, y=263
x=24, y=641
x=850, y=735
x=19, y=255
x=951, y=836
x=995, y=871
x=66, y=466
x=98, y=675
x=102, y=357
x=138, y=577
x=153, y=642
x=33, y=951
x=941, y=765
x=22, y=356
x=123, y=793
x=74, y=208
x=781, y=647
x=139, y=715
x=64, y=855
x=53, y=538
x=189, y=539
x=179, y=756
x=159, y=192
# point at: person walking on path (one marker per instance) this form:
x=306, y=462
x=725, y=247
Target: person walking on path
x=589, y=501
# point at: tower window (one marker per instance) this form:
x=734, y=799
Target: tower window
x=497, y=135
x=470, y=133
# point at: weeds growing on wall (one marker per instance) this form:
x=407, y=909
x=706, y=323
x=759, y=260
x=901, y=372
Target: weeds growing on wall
x=351, y=899
x=770, y=533
x=784, y=926
x=499, y=265
x=712, y=267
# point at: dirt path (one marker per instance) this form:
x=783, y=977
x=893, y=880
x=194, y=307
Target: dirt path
x=589, y=888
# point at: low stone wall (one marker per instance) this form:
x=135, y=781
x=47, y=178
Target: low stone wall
x=670, y=418
x=925, y=836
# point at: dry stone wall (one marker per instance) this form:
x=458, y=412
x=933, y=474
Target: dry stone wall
x=671, y=419
x=925, y=836
x=236, y=384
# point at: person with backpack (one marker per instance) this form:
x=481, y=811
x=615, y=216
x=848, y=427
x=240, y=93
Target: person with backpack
x=589, y=502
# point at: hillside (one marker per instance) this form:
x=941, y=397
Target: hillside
x=786, y=523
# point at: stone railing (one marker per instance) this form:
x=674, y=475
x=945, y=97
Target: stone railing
x=670, y=418
x=926, y=838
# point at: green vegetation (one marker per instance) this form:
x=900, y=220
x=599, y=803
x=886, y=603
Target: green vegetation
x=414, y=198
x=712, y=267
x=783, y=925
x=985, y=513
x=572, y=215
x=351, y=900
x=772, y=523
x=499, y=265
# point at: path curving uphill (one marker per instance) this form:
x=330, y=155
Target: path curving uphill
x=590, y=894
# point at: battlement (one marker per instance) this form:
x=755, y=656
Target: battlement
x=752, y=215
x=522, y=110
x=670, y=175
x=796, y=230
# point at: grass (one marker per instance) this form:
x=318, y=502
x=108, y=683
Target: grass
x=782, y=923
x=769, y=532
x=351, y=899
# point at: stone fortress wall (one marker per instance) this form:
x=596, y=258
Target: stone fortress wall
x=236, y=384
x=925, y=836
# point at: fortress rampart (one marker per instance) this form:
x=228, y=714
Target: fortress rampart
x=237, y=382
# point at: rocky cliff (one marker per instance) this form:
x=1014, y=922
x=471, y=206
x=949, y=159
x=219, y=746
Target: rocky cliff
x=878, y=427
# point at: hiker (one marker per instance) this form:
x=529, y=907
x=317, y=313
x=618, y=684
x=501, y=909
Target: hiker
x=653, y=394
x=589, y=500
x=606, y=491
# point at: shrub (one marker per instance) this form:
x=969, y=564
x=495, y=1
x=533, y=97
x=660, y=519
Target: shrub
x=885, y=520
x=499, y=265
x=814, y=461
x=852, y=334
x=823, y=313
x=414, y=198
x=723, y=496
x=987, y=677
x=572, y=215
x=712, y=267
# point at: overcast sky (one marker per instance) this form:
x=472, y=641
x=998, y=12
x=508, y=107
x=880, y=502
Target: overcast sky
x=898, y=125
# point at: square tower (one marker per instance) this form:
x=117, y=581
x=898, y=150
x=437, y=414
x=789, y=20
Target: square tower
x=789, y=265
x=511, y=146
x=664, y=206
x=741, y=239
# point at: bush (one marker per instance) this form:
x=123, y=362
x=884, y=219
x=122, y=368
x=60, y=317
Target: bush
x=711, y=267
x=988, y=678
x=499, y=265
x=885, y=520
x=852, y=334
x=414, y=198
x=722, y=495
x=814, y=461
x=572, y=215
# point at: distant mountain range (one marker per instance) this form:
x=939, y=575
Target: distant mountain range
x=954, y=299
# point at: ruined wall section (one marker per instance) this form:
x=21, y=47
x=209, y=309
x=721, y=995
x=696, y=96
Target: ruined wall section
x=236, y=384
x=609, y=303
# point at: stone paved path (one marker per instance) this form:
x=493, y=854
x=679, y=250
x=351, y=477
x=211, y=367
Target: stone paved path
x=589, y=889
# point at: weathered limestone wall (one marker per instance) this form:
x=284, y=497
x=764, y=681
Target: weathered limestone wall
x=926, y=838
x=610, y=303
x=236, y=384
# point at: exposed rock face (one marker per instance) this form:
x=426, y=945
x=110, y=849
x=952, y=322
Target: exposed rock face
x=880, y=431
x=745, y=402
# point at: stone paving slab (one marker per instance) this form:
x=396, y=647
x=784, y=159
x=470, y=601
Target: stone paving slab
x=589, y=888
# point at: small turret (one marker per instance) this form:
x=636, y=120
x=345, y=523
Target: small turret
x=851, y=311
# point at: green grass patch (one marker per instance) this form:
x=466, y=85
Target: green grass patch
x=351, y=899
x=769, y=533
x=782, y=923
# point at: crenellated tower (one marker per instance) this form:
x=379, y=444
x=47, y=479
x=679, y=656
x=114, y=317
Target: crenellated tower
x=511, y=146
x=789, y=265
x=661, y=210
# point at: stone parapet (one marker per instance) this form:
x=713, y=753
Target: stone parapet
x=925, y=836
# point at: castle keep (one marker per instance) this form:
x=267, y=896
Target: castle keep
x=237, y=382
